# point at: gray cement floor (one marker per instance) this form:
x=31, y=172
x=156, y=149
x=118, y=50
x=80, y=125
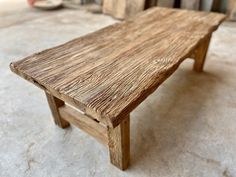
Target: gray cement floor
x=187, y=128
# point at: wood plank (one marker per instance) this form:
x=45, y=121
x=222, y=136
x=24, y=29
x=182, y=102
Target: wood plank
x=54, y=104
x=85, y=123
x=122, y=9
x=108, y=73
x=119, y=144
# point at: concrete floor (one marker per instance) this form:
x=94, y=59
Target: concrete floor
x=187, y=128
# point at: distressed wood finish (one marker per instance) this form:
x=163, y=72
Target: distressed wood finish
x=85, y=123
x=108, y=73
x=54, y=104
x=119, y=144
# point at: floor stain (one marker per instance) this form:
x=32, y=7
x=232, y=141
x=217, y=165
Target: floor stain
x=226, y=173
x=208, y=160
x=30, y=160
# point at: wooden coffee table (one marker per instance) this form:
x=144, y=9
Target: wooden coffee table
x=104, y=75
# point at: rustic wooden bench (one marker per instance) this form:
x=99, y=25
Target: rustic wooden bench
x=103, y=76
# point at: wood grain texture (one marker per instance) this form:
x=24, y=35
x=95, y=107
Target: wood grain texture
x=108, y=73
x=54, y=104
x=87, y=124
x=119, y=144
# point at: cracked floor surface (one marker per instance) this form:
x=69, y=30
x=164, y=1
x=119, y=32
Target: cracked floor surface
x=186, y=128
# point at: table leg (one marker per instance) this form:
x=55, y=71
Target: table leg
x=119, y=144
x=200, y=54
x=54, y=103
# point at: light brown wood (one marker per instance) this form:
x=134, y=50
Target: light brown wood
x=108, y=73
x=85, y=123
x=122, y=9
x=54, y=104
x=200, y=54
x=119, y=144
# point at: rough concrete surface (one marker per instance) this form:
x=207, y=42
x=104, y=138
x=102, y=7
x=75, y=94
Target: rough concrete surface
x=187, y=128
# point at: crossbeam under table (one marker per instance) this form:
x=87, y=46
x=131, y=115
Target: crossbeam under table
x=117, y=139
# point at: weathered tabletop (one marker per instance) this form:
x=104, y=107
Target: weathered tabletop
x=108, y=73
